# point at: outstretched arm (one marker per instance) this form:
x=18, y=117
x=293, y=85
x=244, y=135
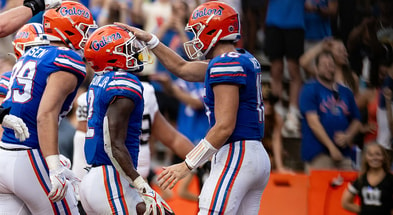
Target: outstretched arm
x=193, y=71
x=170, y=137
x=11, y=20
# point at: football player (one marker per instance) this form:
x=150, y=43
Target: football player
x=234, y=105
x=115, y=101
x=42, y=87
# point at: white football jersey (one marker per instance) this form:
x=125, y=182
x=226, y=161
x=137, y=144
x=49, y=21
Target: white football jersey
x=150, y=109
x=81, y=110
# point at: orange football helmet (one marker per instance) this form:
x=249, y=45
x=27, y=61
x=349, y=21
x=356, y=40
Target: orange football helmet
x=69, y=23
x=28, y=35
x=211, y=22
x=112, y=47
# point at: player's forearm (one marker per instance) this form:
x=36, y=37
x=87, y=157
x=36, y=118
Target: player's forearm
x=123, y=158
x=194, y=102
x=181, y=145
x=219, y=134
x=188, y=70
x=170, y=137
x=13, y=19
x=47, y=128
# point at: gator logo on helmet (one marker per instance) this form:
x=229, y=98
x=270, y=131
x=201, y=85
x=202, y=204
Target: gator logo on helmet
x=105, y=40
x=64, y=11
x=23, y=35
x=206, y=12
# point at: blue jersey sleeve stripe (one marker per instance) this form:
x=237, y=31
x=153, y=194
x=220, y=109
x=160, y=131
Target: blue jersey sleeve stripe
x=4, y=82
x=68, y=62
x=126, y=83
x=72, y=59
x=228, y=75
x=125, y=78
x=3, y=86
x=5, y=78
x=226, y=64
x=134, y=91
x=227, y=69
x=70, y=68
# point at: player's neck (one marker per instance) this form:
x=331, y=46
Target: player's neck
x=58, y=43
x=222, y=48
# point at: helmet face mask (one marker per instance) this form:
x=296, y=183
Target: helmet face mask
x=112, y=47
x=211, y=22
x=27, y=36
x=194, y=47
x=135, y=52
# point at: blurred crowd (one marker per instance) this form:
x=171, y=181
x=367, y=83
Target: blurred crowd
x=286, y=36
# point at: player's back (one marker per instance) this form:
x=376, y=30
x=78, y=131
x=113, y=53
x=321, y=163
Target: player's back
x=28, y=83
x=102, y=91
x=243, y=69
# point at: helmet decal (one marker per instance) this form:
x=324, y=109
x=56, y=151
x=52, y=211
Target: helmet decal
x=206, y=12
x=112, y=47
x=105, y=40
x=64, y=11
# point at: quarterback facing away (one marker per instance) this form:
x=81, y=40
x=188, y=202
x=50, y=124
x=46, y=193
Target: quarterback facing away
x=234, y=105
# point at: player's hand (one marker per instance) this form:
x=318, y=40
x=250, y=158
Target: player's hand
x=139, y=33
x=172, y=174
x=154, y=203
x=70, y=176
x=59, y=183
x=15, y=123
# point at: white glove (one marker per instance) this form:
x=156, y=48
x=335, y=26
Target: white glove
x=154, y=203
x=52, y=4
x=70, y=175
x=57, y=175
x=15, y=123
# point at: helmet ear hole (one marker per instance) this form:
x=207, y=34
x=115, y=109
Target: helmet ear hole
x=69, y=33
x=211, y=32
x=112, y=61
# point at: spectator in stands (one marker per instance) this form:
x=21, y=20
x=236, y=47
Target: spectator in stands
x=330, y=118
x=384, y=115
x=343, y=73
x=284, y=37
x=254, y=14
x=374, y=185
x=317, y=20
x=114, y=11
x=371, y=40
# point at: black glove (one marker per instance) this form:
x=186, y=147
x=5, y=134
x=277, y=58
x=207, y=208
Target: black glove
x=3, y=112
x=36, y=6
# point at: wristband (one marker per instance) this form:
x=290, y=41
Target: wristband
x=36, y=6
x=200, y=154
x=153, y=42
x=53, y=162
x=188, y=166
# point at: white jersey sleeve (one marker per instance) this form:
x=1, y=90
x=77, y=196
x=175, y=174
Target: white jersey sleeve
x=81, y=111
x=149, y=111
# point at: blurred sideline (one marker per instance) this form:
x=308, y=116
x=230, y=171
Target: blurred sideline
x=289, y=194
